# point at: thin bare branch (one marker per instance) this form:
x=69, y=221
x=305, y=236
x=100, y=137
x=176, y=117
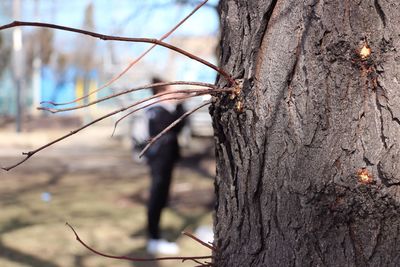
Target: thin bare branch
x=121, y=39
x=207, y=264
x=199, y=262
x=131, y=64
x=198, y=240
x=158, y=136
x=194, y=258
x=54, y=110
x=191, y=91
x=150, y=104
x=202, y=3
x=33, y=152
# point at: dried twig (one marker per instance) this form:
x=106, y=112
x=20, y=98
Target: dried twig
x=158, y=136
x=199, y=262
x=33, y=152
x=193, y=258
x=54, y=110
x=121, y=39
x=153, y=103
x=198, y=240
x=205, y=264
x=131, y=64
x=191, y=91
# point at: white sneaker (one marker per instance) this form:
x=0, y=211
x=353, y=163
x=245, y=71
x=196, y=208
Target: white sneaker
x=161, y=246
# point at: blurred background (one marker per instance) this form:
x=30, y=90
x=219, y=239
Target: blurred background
x=91, y=180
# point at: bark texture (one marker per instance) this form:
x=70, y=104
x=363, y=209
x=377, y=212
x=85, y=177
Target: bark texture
x=316, y=114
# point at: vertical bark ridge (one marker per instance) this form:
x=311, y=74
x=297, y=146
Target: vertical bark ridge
x=288, y=187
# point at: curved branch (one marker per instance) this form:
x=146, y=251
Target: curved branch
x=193, y=258
x=200, y=241
x=198, y=92
x=33, y=152
x=158, y=136
x=121, y=39
x=124, y=92
x=131, y=64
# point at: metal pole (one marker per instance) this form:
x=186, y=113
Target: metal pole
x=17, y=65
x=37, y=64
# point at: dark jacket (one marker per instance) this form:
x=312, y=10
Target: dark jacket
x=159, y=119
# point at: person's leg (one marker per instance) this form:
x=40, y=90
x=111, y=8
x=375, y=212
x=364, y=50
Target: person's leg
x=161, y=172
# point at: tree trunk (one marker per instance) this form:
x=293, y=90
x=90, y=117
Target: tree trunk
x=308, y=171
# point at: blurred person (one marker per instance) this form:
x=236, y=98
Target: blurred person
x=161, y=158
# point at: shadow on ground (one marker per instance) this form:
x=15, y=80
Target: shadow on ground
x=103, y=193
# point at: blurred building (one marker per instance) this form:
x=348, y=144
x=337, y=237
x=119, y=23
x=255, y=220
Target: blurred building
x=60, y=67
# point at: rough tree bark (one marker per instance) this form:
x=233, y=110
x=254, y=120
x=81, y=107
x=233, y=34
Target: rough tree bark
x=317, y=117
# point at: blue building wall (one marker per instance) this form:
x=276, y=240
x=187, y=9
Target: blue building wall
x=58, y=87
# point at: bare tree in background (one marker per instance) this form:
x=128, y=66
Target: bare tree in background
x=39, y=44
x=84, y=55
x=45, y=39
x=5, y=54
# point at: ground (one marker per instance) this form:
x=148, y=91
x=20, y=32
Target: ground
x=91, y=182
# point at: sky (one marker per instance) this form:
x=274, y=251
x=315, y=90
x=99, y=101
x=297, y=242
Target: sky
x=135, y=18
x=132, y=18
